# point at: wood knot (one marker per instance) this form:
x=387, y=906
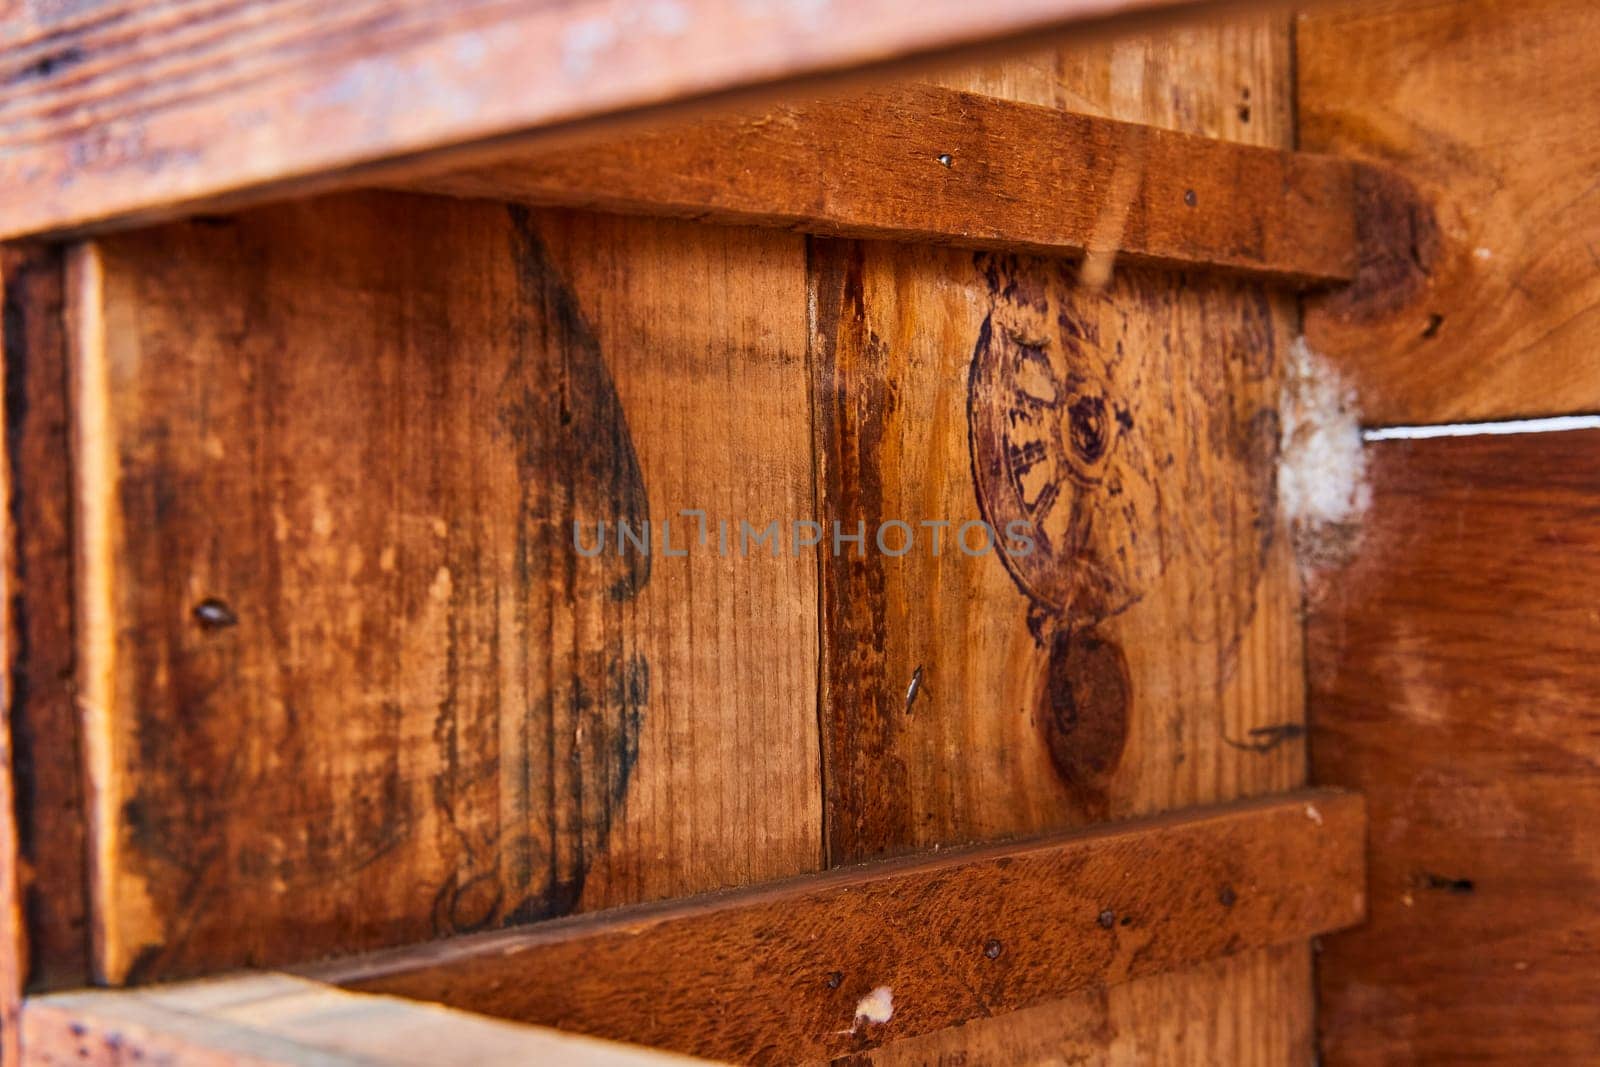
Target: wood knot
x=1083, y=712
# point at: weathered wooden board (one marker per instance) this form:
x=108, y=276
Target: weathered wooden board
x=1201, y=644
x=1453, y=667
x=125, y=109
x=1213, y=711
x=347, y=680
x=44, y=875
x=936, y=166
x=920, y=355
x=840, y=962
x=276, y=1019
x=339, y=372
x=1486, y=302
x=1119, y=664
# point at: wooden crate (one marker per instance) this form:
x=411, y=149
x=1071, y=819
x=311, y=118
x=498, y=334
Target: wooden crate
x=616, y=531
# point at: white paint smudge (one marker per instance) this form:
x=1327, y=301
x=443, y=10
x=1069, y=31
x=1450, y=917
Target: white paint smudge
x=876, y=1007
x=1322, y=478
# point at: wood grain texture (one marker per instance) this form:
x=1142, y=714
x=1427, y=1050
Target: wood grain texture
x=1202, y=724
x=43, y=720
x=1453, y=666
x=1486, y=302
x=920, y=355
x=1209, y=1014
x=45, y=933
x=348, y=680
x=122, y=110
x=927, y=165
x=1227, y=78
x=275, y=1019
x=1120, y=666
x=778, y=974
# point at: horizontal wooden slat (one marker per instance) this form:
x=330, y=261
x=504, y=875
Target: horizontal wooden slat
x=844, y=961
x=278, y=1019
x=123, y=109
x=928, y=164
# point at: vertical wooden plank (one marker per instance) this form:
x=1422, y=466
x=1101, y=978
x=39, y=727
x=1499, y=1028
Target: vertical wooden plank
x=1153, y=657
x=708, y=330
x=1157, y=350
x=354, y=683
x=41, y=729
x=1453, y=664
x=13, y=934
x=1104, y=671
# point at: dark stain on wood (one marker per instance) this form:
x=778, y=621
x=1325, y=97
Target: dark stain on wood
x=1083, y=713
x=1398, y=244
x=45, y=748
x=1263, y=739
x=862, y=720
x=1061, y=442
x=1442, y=883
x=1046, y=422
x=565, y=418
x=1499, y=141
x=592, y=440
x=46, y=65
x=1140, y=461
